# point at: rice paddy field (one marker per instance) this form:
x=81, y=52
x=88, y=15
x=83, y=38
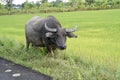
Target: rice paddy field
x=94, y=55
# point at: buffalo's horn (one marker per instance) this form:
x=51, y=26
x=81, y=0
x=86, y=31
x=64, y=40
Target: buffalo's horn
x=71, y=30
x=50, y=29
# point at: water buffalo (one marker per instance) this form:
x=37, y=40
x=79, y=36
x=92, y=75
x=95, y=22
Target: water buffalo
x=47, y=32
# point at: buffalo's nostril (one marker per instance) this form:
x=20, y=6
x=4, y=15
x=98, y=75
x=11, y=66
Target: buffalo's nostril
x=64, y=47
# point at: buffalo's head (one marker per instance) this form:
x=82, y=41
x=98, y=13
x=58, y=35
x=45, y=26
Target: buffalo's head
x=58, y=36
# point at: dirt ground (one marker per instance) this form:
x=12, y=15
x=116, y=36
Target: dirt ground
x=11, y=71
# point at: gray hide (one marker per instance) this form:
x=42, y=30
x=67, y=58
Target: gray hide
x=47, y=32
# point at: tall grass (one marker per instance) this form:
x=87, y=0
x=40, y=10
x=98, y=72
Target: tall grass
x=94, y=55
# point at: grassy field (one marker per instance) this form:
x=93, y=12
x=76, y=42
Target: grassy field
x=94, y=55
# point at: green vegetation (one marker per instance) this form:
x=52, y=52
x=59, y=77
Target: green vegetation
x=94, y=55
x=43, y=6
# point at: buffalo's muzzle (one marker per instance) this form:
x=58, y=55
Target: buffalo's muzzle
x=62, y=47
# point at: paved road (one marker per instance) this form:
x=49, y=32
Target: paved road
x=11, y=71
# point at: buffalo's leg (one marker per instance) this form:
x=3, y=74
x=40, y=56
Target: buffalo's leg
x=50, y=51
x=52, y=54
x=27, y=44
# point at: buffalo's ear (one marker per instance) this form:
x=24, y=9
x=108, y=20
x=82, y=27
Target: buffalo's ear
x=48, y=34
x=71, y=35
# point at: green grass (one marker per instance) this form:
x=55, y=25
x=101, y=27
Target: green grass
x=94, y=55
